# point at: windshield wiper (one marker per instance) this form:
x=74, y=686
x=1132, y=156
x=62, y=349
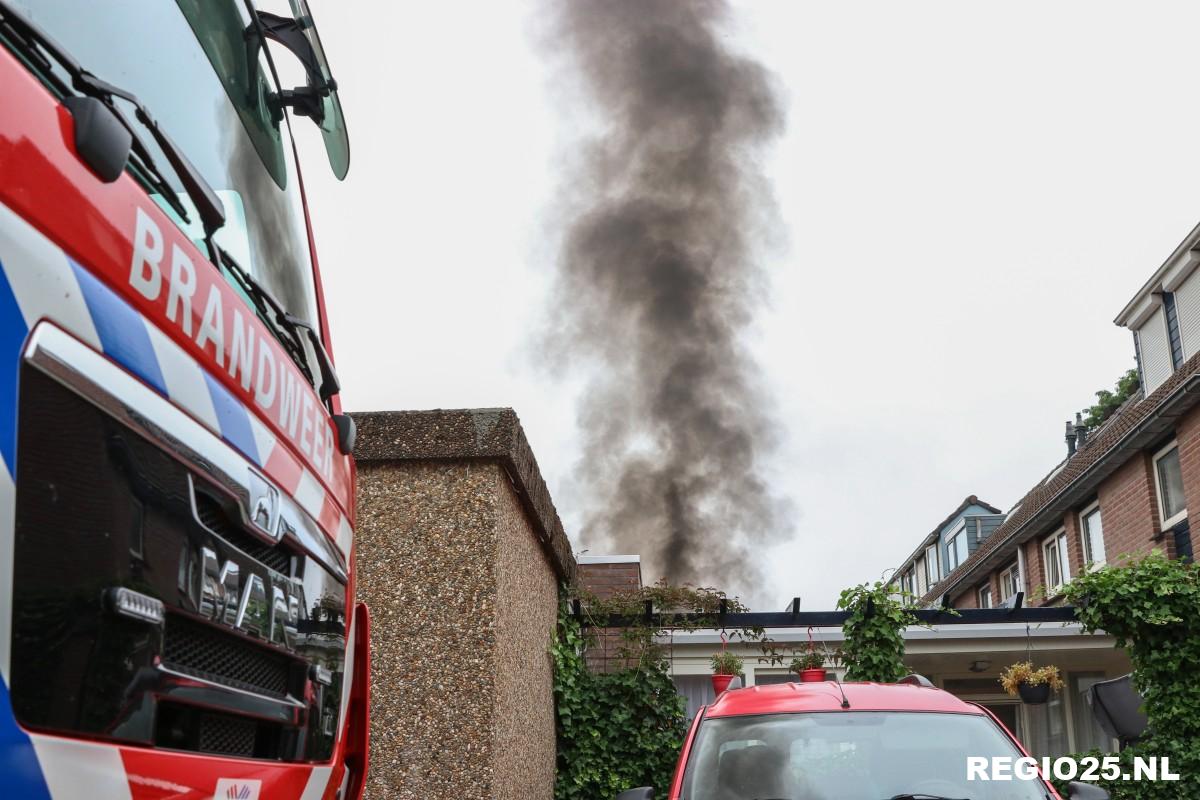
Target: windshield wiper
x=288, y=329
x=920, y=796
x=271, y=313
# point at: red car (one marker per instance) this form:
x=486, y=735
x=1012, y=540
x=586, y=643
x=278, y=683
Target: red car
x=854, y=741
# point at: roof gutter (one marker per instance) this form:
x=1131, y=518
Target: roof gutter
x=1181, y=400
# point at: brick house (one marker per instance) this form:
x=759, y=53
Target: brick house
x=1123, y=490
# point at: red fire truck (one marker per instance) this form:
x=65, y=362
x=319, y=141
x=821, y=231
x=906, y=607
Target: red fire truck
x=177, y=614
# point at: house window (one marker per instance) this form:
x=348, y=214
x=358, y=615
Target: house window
x=985, y=596
x=1169, y=480
x=922, y=578
x=1173, y=337
x=1010, y=582
x=956, y=550
x=1054, y=558
x=1092, y=530
x=932, y=572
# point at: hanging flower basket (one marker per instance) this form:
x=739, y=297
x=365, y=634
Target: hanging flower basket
x=1032, y=685
x=1034, y=695
x=721, y=683
x=726, y=666
x=810, y=667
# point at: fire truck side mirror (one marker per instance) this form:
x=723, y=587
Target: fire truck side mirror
x=347, y=432
x=101, y=141
x=318, y=100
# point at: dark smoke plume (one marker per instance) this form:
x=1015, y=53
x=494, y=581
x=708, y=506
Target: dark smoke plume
x=657, y=283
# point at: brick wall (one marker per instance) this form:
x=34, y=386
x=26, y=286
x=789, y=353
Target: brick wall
x=604, y=579
x=970, y=597
x=1129, y=509
x=1035, y=573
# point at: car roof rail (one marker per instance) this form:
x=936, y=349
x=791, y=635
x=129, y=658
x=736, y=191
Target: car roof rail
x=916, y=680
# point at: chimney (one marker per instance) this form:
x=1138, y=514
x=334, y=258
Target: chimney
x=1080, y=431
x=1070, y=439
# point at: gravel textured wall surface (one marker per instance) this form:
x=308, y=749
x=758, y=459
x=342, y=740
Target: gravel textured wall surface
x=425, y=538
x=490, y=434
x=460, y=568
x=527, y=612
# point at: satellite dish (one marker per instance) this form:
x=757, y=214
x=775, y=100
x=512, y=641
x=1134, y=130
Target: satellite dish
x=1118, y=709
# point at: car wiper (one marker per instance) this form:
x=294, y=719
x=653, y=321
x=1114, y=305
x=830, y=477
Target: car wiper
x=271, y=312
x=920, y=796
x=35, y=45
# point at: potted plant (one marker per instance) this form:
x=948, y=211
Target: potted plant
x=810, y=667
x=1031, y=685
x=726, y=666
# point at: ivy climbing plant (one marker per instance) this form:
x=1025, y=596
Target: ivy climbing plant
x=616, y=730
x=623, y=727
x=1151, y=606
x=873, y=649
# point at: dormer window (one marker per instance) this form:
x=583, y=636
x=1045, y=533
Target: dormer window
x=956, y=549
x=932, y=565
x=1154, y=350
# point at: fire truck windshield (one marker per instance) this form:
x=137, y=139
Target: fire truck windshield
x=189, y=63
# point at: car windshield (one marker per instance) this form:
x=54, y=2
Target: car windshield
x=862, y=755
x=188, y=62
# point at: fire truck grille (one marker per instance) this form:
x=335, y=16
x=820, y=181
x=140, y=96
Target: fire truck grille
x=195, y=649
x=227, y=735
x=216, y=519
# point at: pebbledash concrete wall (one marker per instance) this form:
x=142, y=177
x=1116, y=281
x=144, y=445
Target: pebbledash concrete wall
x=459, y=554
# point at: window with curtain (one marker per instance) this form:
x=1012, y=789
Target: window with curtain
x=956, y=550
x=1170, y=486
x=1058, y=570
x=1093, y=535
x=1046, y=728
x=697, y=690
x=1010, y=581
x=1088, y=733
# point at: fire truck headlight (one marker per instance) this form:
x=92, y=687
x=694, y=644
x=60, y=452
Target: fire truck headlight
x=136, y=605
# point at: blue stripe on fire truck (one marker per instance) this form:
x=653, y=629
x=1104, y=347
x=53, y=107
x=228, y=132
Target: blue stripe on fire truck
x=12, y=336
x=122, y=332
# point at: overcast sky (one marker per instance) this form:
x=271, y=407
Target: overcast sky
x=969, y=194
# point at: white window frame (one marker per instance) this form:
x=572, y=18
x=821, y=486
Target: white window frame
x=951, y=563
x=1018, y=582
x=985, y=591
x=1167, y=524
x=933, y=565
x=1089, y=558
x=1059, y=540
x=921, y=576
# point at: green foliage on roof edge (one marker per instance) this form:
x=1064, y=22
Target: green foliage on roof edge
x=873, y=646
x=1108, y=402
